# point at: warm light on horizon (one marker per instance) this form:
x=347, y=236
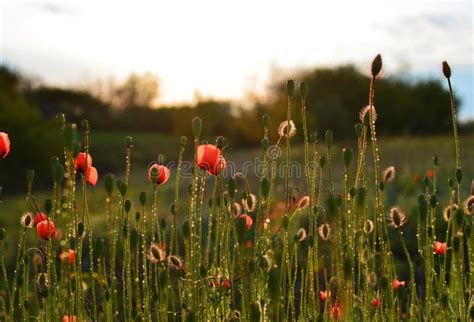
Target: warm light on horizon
x=229, y=51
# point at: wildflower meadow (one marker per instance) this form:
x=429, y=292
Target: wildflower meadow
x=234, y=248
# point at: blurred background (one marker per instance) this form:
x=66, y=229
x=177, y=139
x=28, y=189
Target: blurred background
x=145, y=69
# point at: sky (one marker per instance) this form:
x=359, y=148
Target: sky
x=231, y=49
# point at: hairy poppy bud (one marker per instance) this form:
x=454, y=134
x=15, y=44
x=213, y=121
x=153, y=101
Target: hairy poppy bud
x=265, y=120
x=446, y=69
x=197, y=126
x=329, y=138
x=290, y=87
x=109, y=180
x=303, y=90
x=376, y=65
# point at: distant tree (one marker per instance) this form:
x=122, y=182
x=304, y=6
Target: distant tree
x=137, y=91
x=33, y=140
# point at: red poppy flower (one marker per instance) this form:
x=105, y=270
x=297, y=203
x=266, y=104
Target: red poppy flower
x=219, y=167
x=336, y=311
x=40, y=216
x=163, y=173
x=46, y=229
x=226, y=284
x=92, y=176
x=68, y=257
x=375, y=303
x=440, y=248
x=4, y=145
x=208, y=156
x=429, y=173
x=248, y=221
x=69, y=318
x=80, y=163
x=396, y=284
x=323, y=295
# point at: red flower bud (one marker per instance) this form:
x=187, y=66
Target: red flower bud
x=80, y=163
x=46, y=229
x=4, y=145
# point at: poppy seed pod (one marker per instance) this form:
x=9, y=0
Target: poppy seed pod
x=81, y=164
x=208, y=156
x=158, y=174
x=92, y=176
x=4, y=145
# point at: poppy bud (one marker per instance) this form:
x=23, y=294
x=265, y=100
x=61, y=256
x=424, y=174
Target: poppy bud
x=265, y=186
x=46, y=229
x=303, y=90
x=347, y=153
x=30, y=176
x=183, y=141
x=122, y=187
x=60, y=120
x=197, y=126
x=109, y=183
x=290, y=87
x=446, y=69
x=143, y=198
x=376, y=65
x=128, y=142
x=3, y=233
x=4, y=145
x=266, y=120
x=329, y=138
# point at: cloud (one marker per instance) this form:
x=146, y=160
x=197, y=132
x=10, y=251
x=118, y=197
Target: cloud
x=55, y=8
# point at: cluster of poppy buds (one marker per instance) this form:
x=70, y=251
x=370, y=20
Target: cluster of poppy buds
x=4, y=145
x=84, y=164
